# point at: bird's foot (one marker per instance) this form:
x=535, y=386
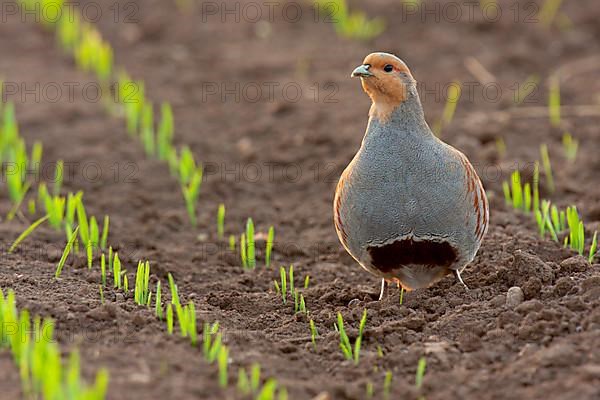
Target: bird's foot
x=459, y=278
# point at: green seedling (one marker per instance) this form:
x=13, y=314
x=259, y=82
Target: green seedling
x=147, y=130
x=166, y=129
x=210, y=347
x=27, y=232
x=14, y=172
x=250, y=245
x=221, y=221
x=38, y=357
x=536, y=186
x=180, y=312
x=547, y=167
x=314, y=333
x=94, y=232
x=116, y=264
x=291, y=280
x=93, y=54
x=517, y=194
x=369, y=389
x=302, y=306
x=570, y=146
x=170, y=318
x=268, y=390
x=68, y=31
x=544, y=217
x=66, y=252
x=500, y=146
x=401, y=295
x=306, y=281
x=232, y=242
x=420, y=372
x=132, y=97
x=527, y=197
x=387, y=385
x=110, y=258
x=125, y=282
x=103, y=269
x=35, y=160
x=277, y=288
x=453, y=96
x=90, y=254
x=71, y=207
x=243, y=383
x=173, y=289
x=379, y=351
x=576, y=230
x=283, y=276
x=187, y=167
x=299, y=303
x=142, y=284
x=158, y=310
x=351, y=24
x=222, y=360
x=269, y=245
x=243, y=251
x=540, y=218
x=101, y=294
x=104, y=239
x=349, y=352
x=506, y=192
x=593, y=247
x=191, y=192
x=255, y=377
x=191, y=323
x=84, y=230
x=58, y=177
x=554, y=101
x=549, y=11
x=54, y=207
x=30, y=207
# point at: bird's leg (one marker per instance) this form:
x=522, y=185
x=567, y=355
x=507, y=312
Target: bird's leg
x=382, y=289
x=458, y=277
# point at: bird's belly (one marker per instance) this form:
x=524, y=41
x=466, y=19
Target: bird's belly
x=381, y=209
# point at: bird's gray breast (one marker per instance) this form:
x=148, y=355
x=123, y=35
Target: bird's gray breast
x=402, y=185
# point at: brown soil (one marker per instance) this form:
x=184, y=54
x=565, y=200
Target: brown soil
x=476, y=346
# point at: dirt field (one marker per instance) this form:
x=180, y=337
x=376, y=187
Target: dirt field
x=271, y=111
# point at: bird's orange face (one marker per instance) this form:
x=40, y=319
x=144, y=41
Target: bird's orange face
x=385, y=79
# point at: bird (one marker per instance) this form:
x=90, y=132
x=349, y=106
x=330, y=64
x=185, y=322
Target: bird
x=409, y=208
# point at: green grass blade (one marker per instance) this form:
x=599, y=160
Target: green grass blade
x=66, y=252
x=269, y=245
x=27, y=232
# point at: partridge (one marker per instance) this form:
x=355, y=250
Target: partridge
x=408, y=208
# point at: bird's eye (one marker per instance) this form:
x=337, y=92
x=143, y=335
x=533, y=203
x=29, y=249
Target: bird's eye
x=388, y=68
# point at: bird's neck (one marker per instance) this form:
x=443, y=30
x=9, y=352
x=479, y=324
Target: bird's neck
x=406, y=117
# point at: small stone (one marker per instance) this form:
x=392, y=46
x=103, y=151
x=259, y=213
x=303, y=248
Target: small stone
x=514, y=297
x=353, y=303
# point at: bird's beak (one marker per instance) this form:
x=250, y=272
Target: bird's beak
x=361, y=71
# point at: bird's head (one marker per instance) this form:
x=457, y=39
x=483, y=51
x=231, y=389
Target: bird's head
x=387, y=81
